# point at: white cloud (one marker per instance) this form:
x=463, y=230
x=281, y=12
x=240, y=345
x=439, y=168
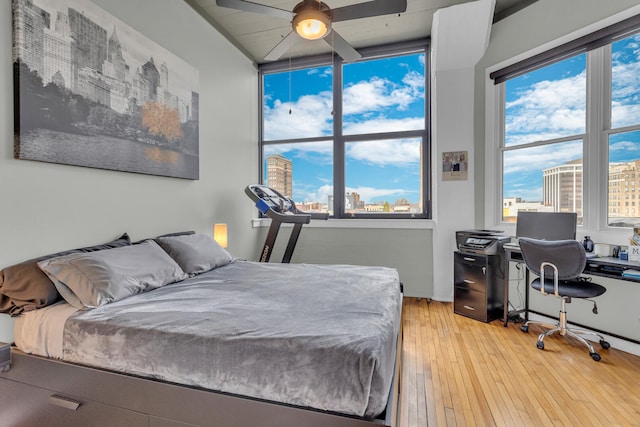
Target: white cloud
x=550, y=108
x=624, y=146
x=385, y=152
x=309, y=116
x=539, y=158
x=381, y=125
x=313, y=194
x=625, y=108
x=321, y=149
x=364, y=103
x=376, y=93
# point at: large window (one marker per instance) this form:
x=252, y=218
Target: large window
x=544, y=126
x=623, y=183
x=555, y=114
x=349, y=139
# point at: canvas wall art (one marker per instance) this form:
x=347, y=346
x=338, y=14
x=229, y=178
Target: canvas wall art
x=91, y=91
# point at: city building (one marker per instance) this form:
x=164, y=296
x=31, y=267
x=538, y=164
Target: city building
x=57, y=52
x=280, y=175
x=562, y=187
x=624, y=190
x=88, y=46
x=30, y=22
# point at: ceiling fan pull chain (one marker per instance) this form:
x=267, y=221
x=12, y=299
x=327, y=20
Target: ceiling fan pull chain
x=290, y=78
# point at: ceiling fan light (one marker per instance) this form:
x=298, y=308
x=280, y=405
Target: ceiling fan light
x=311, y=24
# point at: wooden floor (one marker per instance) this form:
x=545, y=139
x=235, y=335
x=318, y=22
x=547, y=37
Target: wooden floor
x=461, y=372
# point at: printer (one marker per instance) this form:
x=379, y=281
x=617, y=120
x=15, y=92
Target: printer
x=483, y=242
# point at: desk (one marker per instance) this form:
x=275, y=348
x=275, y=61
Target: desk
x=605, y=267
x=513, y=254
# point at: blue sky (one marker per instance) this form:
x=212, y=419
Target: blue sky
x=551, y=103
x=378, y=96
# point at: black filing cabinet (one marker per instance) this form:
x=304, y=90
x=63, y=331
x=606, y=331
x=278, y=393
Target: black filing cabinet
x=478, y=286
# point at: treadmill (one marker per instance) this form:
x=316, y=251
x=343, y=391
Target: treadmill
x=281, y=210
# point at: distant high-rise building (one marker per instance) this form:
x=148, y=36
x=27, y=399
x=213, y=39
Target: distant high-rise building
x=624, y=189
x=29, y=25
x=164, y=76
x=562, y=187
x=352, y=202
x=88, y=45
x=115, y=57
x=152, y=75
x=57, y=52
x=280, y=174
x=195, y=106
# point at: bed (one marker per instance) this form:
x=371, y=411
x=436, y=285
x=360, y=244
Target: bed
x=222, y=342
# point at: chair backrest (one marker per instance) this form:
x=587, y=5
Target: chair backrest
x=567, y=255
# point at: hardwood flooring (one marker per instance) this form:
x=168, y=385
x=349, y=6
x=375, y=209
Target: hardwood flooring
x=461, y=372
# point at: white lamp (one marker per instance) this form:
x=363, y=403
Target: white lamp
x=220, y=234
x=311, y=24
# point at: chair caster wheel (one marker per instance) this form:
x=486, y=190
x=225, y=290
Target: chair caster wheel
x=595, y=356
x=524, y=328
x=540, y=345
x=604, y=344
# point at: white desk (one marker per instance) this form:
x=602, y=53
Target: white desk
x=605, y=267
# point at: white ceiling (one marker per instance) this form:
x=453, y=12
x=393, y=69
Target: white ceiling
x=256, y=34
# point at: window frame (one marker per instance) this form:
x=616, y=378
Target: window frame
x=420, y=46
x=595, y=139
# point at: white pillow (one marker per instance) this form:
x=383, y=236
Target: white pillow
x=89, y=280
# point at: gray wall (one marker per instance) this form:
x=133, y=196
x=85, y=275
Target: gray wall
x=408, y=250
x=48, y=207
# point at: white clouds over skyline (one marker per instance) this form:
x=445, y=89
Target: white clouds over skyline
x=546, y=110
x=368, y=107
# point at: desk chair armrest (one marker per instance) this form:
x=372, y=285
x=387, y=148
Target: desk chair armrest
x=543, y=278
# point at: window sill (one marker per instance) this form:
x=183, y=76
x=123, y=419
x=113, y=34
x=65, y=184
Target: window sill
x=415, y=224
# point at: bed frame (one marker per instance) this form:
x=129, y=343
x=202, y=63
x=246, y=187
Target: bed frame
x=41, y=391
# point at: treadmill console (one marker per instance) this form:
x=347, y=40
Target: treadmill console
x=267, y=198
x=273, y=204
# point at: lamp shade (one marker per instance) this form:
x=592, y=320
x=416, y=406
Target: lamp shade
x=220, y=234
x=311, y=24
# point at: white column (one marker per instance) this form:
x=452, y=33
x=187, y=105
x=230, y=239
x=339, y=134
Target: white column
x=459, y=38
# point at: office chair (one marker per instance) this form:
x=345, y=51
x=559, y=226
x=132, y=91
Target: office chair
x=561, y=263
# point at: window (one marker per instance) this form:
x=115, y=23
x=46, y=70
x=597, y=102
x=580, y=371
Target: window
x=624, y=135
x=544, y=126
x=349, y=139
x=562, y=107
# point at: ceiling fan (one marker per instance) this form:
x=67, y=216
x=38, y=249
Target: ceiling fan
x=312, y=19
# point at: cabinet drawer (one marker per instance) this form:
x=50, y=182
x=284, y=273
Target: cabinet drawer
x=470, y=272
x=25, y=405
x=470, y=302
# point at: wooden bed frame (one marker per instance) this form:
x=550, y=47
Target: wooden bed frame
x=41, y=391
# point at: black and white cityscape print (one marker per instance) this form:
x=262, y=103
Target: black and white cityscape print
x=91, y=91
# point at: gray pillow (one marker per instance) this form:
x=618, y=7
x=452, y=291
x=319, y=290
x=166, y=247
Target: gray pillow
x=24, y=287
x=94, y=279
x=195, y=253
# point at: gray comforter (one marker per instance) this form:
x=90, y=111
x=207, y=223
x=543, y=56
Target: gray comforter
x=310, y=335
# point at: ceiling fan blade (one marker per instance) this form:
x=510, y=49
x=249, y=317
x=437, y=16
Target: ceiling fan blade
x=368, y=9
x=248, y=6
x=342, y=47
x=282, y=47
